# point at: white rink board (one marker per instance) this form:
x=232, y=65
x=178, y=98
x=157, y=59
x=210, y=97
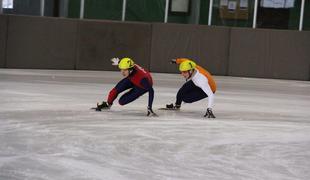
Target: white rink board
x=47, y=132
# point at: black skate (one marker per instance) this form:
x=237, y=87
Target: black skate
x=171, y=107
x=103, y=105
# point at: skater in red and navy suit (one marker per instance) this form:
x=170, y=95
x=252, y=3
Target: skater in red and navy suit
x=138, y=80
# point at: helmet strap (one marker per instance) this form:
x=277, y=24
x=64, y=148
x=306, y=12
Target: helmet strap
x=190, y=72
x=130, y=70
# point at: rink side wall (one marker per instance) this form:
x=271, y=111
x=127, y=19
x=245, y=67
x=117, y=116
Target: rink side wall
x=280, y=54
x=61, y=43
x=36, y=42
x=208, y=46
x=99, y=41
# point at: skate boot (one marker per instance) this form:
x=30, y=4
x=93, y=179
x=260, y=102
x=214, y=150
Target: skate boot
x=173, y=107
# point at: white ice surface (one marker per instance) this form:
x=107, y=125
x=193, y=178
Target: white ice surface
x=262, y=130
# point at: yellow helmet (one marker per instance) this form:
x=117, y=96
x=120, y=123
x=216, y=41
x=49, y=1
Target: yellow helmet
x=126, y=63
x=187, y=65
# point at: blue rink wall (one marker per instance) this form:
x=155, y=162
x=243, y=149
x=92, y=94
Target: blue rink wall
x=60, y=43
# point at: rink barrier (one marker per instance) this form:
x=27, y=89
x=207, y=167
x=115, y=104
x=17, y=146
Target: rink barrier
x=99, y=41
x=41, y=42
x=58, y=43
x=263, y=53
x=3, y=38
x=208, y=46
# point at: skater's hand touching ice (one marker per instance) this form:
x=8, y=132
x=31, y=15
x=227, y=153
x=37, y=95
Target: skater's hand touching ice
x=103, y=105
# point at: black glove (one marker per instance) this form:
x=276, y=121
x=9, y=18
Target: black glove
x=103, y=105
x=209, y=113
x=150, y=112
x=171, y=106
x=173, y=61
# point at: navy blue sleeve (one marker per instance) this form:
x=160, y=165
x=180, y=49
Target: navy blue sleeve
x=145, y=83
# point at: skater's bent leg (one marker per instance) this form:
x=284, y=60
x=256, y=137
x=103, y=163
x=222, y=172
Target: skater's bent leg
x=195, y=95
x=183, y=91
x=131, y=95
x=148, y=86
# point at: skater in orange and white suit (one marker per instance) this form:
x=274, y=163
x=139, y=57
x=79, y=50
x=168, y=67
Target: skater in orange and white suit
x=199, y=85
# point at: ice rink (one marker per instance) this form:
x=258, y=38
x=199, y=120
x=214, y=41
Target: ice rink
x=48, y=132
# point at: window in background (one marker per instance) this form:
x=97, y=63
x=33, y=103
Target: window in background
x=74, y=8
x=279, y=14
x=53, y=8
x=184, y=11
x=180, y=6
x=103, y=9
x=22, y=7
x=7, y=4
x=237, y=13
x=145, y=10
x=306, y=22
x=204, y=11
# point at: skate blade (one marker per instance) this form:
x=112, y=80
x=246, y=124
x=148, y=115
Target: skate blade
x=168, y=109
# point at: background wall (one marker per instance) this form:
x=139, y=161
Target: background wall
x=57, y=43
x=99, y=41
x=269, y=53
x=208, y=46
x=37, y=42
